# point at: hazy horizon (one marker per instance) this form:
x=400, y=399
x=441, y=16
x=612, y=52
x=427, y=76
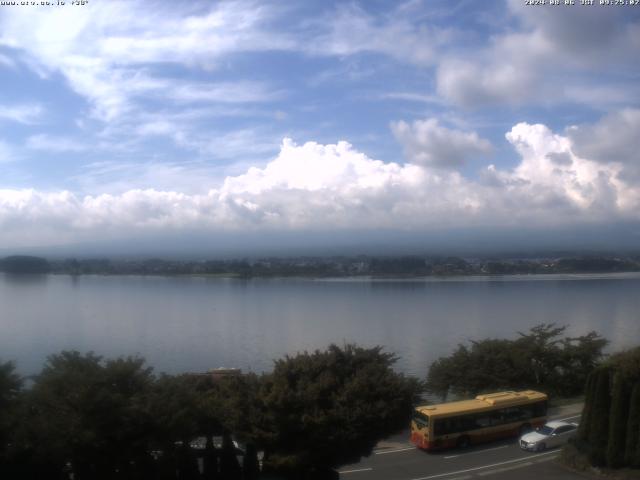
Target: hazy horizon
x=614, y=240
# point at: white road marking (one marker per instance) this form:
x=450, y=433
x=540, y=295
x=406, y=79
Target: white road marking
x=356, y=470
x=523, y=459
x=569, y=418
x=505, y=469
x=476, y=452
x=396, y=450
x=466, y=477
x=544, y=459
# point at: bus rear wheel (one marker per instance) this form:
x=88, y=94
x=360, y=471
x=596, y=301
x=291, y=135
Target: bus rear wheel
x=463, y=442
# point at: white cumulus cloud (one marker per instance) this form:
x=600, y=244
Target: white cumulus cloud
x=613, y=139
x=312, y=187
x=428, y=143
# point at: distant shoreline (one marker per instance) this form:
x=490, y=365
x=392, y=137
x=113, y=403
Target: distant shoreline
x=365, y=267
x=369, y=278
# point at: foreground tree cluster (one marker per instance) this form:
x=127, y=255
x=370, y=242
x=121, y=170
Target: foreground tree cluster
x=542, y=359
x=85, y=417
x=609, y=433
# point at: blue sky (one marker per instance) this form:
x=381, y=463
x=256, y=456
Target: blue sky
x=129, y=119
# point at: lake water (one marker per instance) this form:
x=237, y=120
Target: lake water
x=192, y=324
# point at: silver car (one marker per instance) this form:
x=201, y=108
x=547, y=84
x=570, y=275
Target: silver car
x=552, y=434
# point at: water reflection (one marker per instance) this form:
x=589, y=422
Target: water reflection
x=24, y=278
x=196, y=323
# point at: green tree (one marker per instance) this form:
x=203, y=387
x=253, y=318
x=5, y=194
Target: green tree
x=494, y=364
x=579, y=356
x=632, y=447
x=125, y=423
x=90, y=412
x=587, y=411
x=627, y=362
x=172, y=403
x=609, y=432
x=447, y=374
x=538, y=359
x=233, y=405
x=212, y=416
x=10, y=390
x=331, y=407
x=490, y=364
x=541, y=347
x=599, y=428
x=618, y=421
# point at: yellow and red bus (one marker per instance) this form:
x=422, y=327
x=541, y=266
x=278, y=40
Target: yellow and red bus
x=486, y=417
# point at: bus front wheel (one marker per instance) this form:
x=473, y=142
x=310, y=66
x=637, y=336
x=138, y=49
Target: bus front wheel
x=463, y=442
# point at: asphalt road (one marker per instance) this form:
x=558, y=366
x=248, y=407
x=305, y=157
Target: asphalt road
x=397, y=459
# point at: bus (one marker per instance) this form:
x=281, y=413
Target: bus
x=487, y=417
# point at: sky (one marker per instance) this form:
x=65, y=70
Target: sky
x=319, y=123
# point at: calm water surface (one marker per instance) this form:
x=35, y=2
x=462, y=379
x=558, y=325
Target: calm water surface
x=193, y=324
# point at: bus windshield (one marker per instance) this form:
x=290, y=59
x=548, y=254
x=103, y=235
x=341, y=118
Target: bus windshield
x=421, y=418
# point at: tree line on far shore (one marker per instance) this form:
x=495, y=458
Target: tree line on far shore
x=339, y=266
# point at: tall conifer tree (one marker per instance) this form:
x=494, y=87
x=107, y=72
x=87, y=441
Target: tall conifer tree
x=632, y=447
x=586, y=419
x=599, y=424
x=618, y=421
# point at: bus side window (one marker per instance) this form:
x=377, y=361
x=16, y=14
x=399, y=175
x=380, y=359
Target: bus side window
x=498, y=417
x=467, y=422
x=513, y=414
x=510, y=414
x=540, y=409
x=452, y=425
x=483, y=420
x=447, y=426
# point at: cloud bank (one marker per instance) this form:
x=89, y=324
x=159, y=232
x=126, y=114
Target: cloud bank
x=560, y=180
x=579, y=55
